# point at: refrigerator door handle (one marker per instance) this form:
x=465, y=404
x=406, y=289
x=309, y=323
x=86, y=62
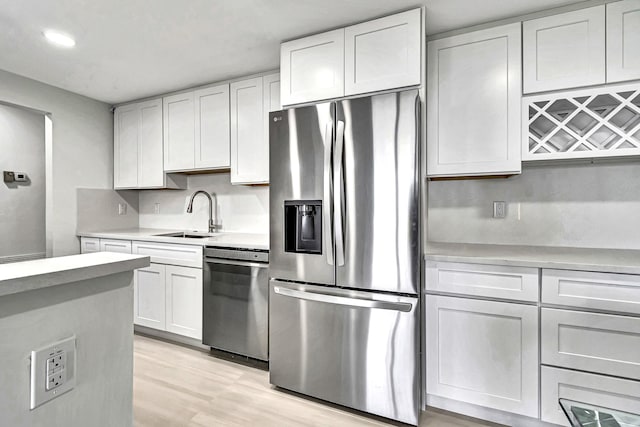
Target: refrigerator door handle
x=327, y=226
x=404, y=307
x=338, y=192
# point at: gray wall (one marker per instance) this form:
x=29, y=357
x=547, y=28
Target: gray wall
x=583, y=205
x=82, y=148
x=98, y=209
x=22, y=205
x=240, y=208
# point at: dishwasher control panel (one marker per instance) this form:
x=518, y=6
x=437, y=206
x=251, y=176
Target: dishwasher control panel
x=237, y=254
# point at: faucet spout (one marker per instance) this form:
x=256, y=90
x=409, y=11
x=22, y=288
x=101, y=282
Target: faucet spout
x=212, y=223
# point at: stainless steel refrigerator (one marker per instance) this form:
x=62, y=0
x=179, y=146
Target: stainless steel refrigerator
x=344, y=253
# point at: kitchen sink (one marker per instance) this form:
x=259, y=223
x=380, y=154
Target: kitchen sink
x=189, y=234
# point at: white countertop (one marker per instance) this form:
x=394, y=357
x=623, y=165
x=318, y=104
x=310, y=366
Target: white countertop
x=223, y=239
x=42, y=273
x=602, y=260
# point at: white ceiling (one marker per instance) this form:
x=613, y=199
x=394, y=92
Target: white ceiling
x=130, y=49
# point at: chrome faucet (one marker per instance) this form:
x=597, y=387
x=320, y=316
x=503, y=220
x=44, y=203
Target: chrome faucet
x=212, y=223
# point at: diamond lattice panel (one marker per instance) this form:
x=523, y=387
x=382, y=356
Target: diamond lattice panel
x=603, y=122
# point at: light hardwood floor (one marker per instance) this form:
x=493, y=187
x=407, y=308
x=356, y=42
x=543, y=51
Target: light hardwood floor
x=180, y=386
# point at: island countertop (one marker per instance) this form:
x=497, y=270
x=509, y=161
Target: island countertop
x=42, y=273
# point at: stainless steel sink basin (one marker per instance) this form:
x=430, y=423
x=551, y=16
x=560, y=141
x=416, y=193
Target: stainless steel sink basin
x=189, y=234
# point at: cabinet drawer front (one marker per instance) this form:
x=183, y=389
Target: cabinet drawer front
x=600, y=343
x=166, y=253
x=89, y=244
x=608, y=392
x=483, y=352
x=513, y=283
x=121, y=246
x=605, y=291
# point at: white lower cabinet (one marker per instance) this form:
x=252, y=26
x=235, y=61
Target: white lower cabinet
x=183, y=287
x=149, y=296
x=89, y=244
x=120, y=246
x=483, y=352
x=608, y=392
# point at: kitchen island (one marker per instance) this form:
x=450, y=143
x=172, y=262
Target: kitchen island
x=87, y=300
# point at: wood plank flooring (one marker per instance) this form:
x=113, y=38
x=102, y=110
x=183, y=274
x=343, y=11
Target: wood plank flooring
x=180, y=386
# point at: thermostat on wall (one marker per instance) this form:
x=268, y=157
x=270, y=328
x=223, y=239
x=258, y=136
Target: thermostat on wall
x=10, y=176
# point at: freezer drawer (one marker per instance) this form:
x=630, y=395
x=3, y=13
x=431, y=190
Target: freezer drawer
x=357, y=349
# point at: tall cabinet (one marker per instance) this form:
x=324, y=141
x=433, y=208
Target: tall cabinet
x=473, y=107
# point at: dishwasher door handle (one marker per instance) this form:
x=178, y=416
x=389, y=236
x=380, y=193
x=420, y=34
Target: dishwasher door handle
x=236, y=262
x=334, y=299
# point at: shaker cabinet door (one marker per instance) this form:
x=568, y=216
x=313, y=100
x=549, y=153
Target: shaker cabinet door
x=125, y=146
x=149, y=297
x=212, y=130
x=564, y=51
x=178, y=131
x=151, y=169
x=184, y=301
x=623, y=41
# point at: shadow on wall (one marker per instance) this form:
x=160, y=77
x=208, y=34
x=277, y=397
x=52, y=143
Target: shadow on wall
x=584, y=205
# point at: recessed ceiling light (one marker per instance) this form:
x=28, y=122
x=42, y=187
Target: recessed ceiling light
x=59, y=39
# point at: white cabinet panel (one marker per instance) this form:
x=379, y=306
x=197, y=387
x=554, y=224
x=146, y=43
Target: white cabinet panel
x=179, y=126
x=184, y=301
x=150, y=296
x=312, y=68
x=483, y=352
x=249, y=149
x=473, y=107
x=212, y=127
x=600, y=343
x=125, y=146
x=89, y=244
x=599, y=390
x=271, y=96
x=120, y=246
x=383, y=53
x=564, y=51
x=168, y=253
x=495, y=281
x=151, y=167
x=600, y=291
x=623, y=40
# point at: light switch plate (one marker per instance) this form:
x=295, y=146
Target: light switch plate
x=53, y=371
x=499, y=209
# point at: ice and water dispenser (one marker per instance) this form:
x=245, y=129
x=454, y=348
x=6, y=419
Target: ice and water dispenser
x=303, y=226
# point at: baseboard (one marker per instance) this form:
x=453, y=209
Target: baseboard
x=168, y=336
x=21, y=257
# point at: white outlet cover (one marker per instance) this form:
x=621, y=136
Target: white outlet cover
x=39, y=371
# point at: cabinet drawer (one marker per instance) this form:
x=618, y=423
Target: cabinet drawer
x=604, y=291
x=600, y=343
x=89, y=244
x=166, y=253
x=121, y=246
x=512, y=283
x=608, y=392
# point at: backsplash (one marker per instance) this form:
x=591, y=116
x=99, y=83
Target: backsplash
x=240, y=208
x=581, y=205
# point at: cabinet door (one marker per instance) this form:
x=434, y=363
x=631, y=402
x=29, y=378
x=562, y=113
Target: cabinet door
x=120, y=246
x=89, y=244
x=249, y=149
x=179, y=129
x=312, y=68
x=623, y=40
x=564, y=51
x=149, y=297
x=383, y=53
x=212, y=138
x=483, y=352
x=271, y=101
x=473, y=107
x=184, y=301
x=125, y=146
x=150, y=163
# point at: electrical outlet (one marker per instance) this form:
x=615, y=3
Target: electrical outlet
x=499, y=209
x=122, y=208
x=52, y=371
x=156, y=208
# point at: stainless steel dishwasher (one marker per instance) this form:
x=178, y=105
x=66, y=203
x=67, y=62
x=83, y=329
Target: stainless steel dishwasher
x=236, y=301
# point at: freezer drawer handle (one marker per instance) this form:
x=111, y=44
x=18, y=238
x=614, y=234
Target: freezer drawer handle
x=332, y=299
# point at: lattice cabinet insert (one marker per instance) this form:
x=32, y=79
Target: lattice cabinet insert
x=601, y=122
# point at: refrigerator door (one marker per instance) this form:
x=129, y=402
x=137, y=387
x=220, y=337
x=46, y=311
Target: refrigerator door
x=357, y=349
x=300, y=156
x=376, y=171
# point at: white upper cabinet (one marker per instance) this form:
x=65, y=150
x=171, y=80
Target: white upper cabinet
x=564, y=51
x=179, y=125
x=623, y=40
x=312, y=68
x=212, y=128
x=137, y=146
x=249, y=149
x=383, y=53
x=474, y=103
